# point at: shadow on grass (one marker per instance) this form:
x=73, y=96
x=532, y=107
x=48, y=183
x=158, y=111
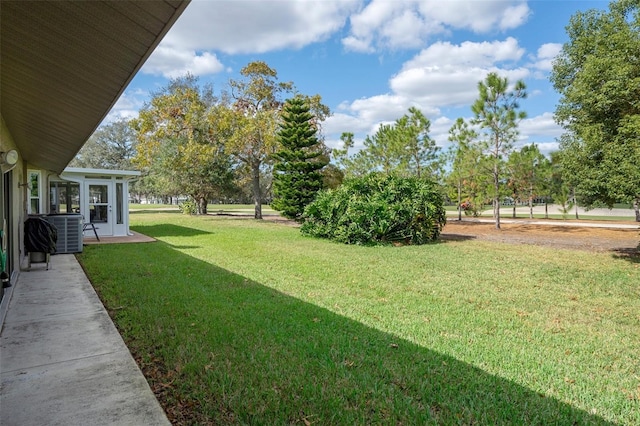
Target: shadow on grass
x=168, y=230
x=152, y=210
x=455, y=237
x=629, y=254
x=218, y=348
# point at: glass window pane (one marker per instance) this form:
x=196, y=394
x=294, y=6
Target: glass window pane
x=119, y=203
x=74, y=197
x=34, y=183
x=64, y=197
x=98, y=194
x=98, y=214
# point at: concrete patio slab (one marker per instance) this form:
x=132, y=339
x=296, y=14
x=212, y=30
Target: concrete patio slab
x=135, y=237
x=62, y=361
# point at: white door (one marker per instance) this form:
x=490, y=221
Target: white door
x=120, y=206
x=100, y=206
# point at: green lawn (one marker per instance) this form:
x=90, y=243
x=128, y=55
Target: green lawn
x=212, y=208
x=248, y=322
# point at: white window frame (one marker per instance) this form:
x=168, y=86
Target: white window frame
x=31, y=197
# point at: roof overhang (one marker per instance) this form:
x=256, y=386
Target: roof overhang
x=99, y=172
x=66, y=63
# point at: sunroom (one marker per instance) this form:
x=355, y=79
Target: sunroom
x=99, y=198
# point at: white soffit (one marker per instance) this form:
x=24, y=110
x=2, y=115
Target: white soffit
x=64, y=64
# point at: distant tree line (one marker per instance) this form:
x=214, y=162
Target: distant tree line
x=259, y=140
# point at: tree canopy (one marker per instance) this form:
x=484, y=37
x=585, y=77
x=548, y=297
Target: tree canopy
x=528, y=175
x=465, y=160
x=402, y=148
x=112, y=146
x=598, y=76
x=179, y=145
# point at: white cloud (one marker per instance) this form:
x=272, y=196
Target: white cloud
x=339, y=123
x=547, y=148
x=249, y=26
x=171, y=62
x=395, y=31
x=545, y=56
x=357, y=45
x=440, y=130
x=385, y=108
x=542, y=125
x=243, y=26
x=514, y=16
x=539, y=130
x=363, y=117
x=445, y=74
x=370, y=19
x=468, y=53
x=409, y=23
x=127, y=106
x=441, y=76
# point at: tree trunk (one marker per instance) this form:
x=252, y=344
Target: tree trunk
x=202, y=205
x=514, y=208
x=575, y=203
x=460, y=202
x=546, y=210
x=530, y=202
x=530, y=207
x=496, y=198
x=636, y=208
x=257, y=194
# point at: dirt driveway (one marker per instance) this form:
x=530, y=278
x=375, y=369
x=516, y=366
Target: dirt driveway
x=558, y=234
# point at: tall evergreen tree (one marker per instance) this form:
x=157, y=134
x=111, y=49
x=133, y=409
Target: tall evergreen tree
x=497, y=112
x=297, y=176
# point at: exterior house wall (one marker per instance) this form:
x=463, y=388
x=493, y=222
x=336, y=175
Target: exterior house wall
x=15, y=198
x=13, y=204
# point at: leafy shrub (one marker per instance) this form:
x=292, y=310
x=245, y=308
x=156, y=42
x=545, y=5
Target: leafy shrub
x=377, y=209
x=188, y=207
x=470, y=208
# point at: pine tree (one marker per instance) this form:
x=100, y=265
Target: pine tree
x=297, y=176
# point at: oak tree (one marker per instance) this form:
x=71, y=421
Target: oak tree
x=252, y=122
x=179, y=145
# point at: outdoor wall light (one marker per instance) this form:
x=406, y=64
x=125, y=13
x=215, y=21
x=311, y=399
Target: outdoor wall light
x=9, y=158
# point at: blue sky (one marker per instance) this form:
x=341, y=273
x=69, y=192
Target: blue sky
x=372, y=60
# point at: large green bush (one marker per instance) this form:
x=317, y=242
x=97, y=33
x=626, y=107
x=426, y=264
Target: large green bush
x=377, y=209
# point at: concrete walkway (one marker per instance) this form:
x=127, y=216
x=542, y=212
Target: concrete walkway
x=62, y=361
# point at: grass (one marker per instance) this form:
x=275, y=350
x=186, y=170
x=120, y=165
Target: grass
x=248, y=322
x=506, y=212
x=212, y=208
